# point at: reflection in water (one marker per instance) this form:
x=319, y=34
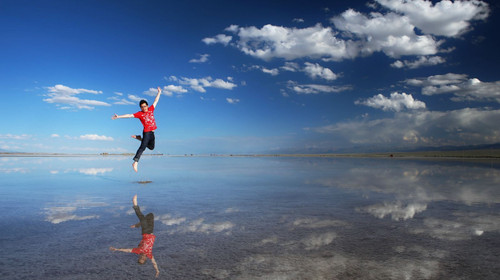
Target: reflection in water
x=59, y=214
x=145, y=247
x=255, y=218
x=94, y=171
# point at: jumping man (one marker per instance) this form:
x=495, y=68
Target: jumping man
x=146, y=115
x=145, y=248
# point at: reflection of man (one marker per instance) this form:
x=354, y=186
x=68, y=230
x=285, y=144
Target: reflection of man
x=145, y=248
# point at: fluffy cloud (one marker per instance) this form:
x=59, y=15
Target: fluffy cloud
x=445, y=18
x=396, y=102
x=61, y=94
x=355, y=33
x=167, y=90
x=119, y=100
x=468, y=126
x=221, y=39
x=232, y=100
x=15, y=137
x=463, y=88
x=272, y=41
x=200, y=84
x=95, y=137
x=203, y=58
x=422, y=61
x=314, y=70
x=391, y=33
x=314, y=88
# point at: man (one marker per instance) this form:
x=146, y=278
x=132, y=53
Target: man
x=145, y=248
x=147, y=118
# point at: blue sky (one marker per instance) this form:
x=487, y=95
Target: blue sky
x=252, y=77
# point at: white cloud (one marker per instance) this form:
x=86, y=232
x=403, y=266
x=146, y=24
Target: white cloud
x=445, y=18
x=171, y=89
x=202, y=59
x=314, y=70
x=390, y=33
x=232, y=100
x=291, y=66
x=134, y=98
x=468, y=126
x=221, y=39
x=15, y=137
x=96, y=137
x=272, y=72
x=200, y=84
x=396, y=102
x=61, y=94
x=314, y=88
x=55, y=135
x=354, y=33
x=463, y=88
x=422, y=61
x=119, y=100
x=272, y=41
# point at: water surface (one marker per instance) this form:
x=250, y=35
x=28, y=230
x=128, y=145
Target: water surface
x=251, y=218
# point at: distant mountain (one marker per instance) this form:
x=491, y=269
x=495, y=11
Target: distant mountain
x=379, y=149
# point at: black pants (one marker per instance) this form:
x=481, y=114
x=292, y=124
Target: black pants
x=148, y=141
x=147, y=222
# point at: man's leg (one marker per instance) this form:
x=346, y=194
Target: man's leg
x=146, y=137
x=150, y=224
x=142, y=147
x=151, y=144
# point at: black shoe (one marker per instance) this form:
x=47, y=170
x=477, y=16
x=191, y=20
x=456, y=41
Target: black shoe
x=138, y=137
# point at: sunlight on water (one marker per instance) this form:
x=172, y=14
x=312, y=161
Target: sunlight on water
x=251, y=218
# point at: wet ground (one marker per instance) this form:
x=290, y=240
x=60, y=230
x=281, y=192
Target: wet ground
x=251, y=218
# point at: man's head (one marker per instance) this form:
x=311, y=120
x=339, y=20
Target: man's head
x=142, y=259
x=144, y=105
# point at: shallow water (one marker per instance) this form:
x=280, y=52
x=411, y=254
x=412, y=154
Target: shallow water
x=251, y=218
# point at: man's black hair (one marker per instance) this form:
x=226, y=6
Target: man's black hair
x=142, y=102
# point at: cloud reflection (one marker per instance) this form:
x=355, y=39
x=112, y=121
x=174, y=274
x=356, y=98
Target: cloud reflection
x=94, y=171
x=60, y=214
x=396, y=210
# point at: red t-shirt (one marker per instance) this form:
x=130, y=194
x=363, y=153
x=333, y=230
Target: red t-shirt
x=146, y=245
x=147, y=118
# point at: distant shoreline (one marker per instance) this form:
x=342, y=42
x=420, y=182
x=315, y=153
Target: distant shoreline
x=466, y=154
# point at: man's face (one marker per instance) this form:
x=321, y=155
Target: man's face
x=142, y=259
x=144, y=107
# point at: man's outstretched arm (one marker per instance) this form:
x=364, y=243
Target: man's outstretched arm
x=122, y=116
x=155, y=266
x=157, y=97
x=121, y=250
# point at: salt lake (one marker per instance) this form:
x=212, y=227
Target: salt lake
x=251, y=217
